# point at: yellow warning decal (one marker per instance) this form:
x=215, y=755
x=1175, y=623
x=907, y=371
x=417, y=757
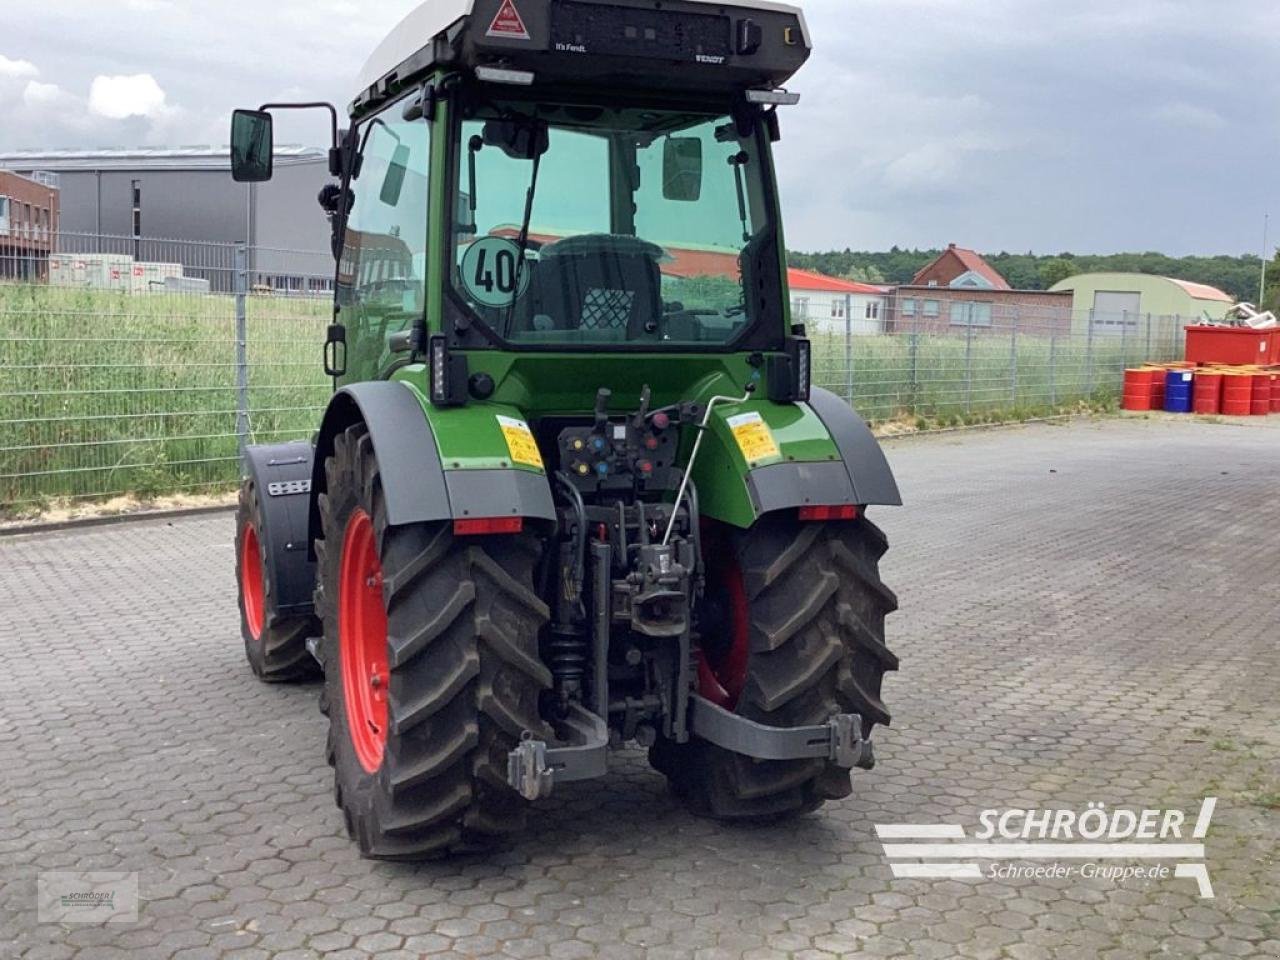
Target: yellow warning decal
x=754, y=438
x=520, y=443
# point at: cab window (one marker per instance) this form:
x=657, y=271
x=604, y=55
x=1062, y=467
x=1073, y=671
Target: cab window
x=382, y=271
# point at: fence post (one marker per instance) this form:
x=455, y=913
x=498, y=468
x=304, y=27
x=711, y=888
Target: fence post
x=915, y=368
x=1053, y=366
x=241, y=282
x=968, y=362
x=1124, y=339
x=1149, y=336
x=1088, y=360
x=848, y=349
x=1013, y=359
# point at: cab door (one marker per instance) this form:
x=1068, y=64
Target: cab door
x=382, y=273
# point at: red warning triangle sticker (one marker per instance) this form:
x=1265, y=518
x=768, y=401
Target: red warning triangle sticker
x=508, y=23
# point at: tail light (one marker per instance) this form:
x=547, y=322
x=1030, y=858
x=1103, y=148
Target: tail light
x=839, y=511
x=478, y=526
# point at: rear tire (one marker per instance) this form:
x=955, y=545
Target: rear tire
x=464, y=678
x=274, y=644
x=814, y=631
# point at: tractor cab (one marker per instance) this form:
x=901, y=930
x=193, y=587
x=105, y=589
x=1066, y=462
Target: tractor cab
x=562, y=176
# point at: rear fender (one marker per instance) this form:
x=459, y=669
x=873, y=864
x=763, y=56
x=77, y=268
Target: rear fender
x=822, y=453
x=281, y=474
x=421, y=481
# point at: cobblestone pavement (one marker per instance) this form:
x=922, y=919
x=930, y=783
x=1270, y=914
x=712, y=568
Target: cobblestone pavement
x=1089, y=613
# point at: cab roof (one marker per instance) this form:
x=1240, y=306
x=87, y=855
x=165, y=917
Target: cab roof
x=423, y=38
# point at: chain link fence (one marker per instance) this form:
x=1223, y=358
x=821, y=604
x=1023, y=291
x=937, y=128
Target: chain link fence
x=139, y=366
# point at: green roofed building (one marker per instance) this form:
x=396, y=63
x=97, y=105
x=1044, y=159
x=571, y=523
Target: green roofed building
x=1119, y=301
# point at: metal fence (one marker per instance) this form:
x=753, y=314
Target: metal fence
x=1003, y=362
x=139, y=366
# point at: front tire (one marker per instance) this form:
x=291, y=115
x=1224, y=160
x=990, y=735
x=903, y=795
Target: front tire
x=803, y=639
x=420, y=767
x=274, y=644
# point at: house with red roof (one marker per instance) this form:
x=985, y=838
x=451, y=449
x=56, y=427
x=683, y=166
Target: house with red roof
x=960, y=291
x=959, y=267
x=833, y=305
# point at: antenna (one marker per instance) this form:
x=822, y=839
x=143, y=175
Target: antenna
x=1262, y=282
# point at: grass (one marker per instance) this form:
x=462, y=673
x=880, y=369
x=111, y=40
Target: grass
x=105, y=393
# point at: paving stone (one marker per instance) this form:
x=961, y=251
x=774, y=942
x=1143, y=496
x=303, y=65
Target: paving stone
x=1086, y=615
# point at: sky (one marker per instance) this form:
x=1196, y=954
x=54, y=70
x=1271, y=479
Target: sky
x=1092, y=126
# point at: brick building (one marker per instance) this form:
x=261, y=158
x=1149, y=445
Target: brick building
x=948, y=309
x=960, y=290
x=28, y=224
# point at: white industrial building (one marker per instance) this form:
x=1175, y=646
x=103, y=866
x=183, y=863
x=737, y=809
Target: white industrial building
x=831, y=305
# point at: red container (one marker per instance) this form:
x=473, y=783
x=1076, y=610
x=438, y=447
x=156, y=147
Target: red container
x=1260, y=397
x=1206, y=392
x=1238, y=346
x=1157, y=386
x=1237, y=394
x=1275, y=392
x=1137, y=389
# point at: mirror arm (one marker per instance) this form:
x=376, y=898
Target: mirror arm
x=335, y=156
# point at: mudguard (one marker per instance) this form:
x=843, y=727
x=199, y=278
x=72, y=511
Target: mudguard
x=415, y=483
x=869, y=471
x=823, y=454
x=281, y=472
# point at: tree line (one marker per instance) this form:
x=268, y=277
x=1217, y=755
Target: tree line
x=1238, y=276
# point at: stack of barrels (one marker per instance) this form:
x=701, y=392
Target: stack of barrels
x=1184, y=387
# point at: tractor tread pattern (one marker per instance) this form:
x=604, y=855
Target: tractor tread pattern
x=816, y=649
x=280, y=655
x=462, y=625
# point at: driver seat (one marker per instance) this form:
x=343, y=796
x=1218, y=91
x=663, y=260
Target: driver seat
x=599, y=281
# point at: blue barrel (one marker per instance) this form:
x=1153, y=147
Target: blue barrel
x=1177, y=391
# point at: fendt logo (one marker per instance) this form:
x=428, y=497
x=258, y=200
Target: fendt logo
x=1091, y=844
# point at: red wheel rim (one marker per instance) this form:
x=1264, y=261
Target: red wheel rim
x=362, y=641
x=251, y=592
x=722, y=672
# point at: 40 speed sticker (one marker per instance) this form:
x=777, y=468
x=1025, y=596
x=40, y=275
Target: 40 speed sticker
x=520, y=442
x=489, y=272
x=753, y=436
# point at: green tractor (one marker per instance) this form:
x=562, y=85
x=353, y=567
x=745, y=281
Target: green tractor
x=573, y=489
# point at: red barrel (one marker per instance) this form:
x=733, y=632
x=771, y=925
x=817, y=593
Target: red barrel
x=1207, y=392
x=1275, y=392
x=1157, y=386
x=1260, y=395
x=1237, y=393
x=1137, y=389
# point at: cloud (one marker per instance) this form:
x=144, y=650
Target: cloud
x=46, y=96
x=1019, y=124
x=127, y=96
x=17, y=68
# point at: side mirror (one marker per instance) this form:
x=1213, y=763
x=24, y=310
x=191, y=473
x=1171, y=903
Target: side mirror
x=682, y=168
x=464, y=218
x=252, y=146
x=393, y=182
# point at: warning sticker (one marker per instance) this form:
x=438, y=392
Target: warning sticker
x=508, y=23
x=754, y=438
x=520, y=442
